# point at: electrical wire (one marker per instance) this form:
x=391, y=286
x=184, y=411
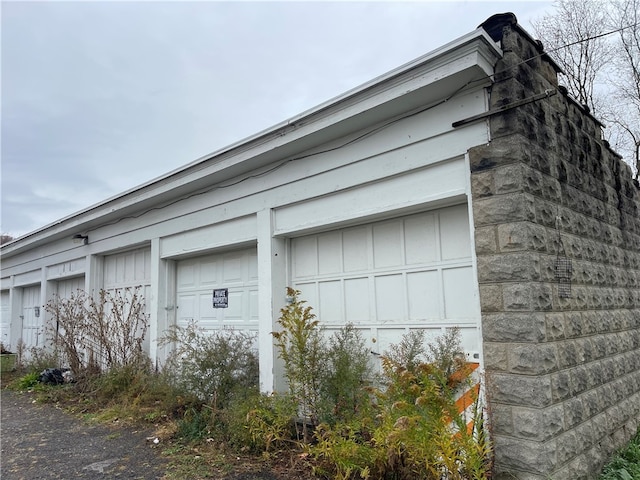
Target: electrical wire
x=595, y=37
x=358, y=138
x=566, y=45
x=294, y=159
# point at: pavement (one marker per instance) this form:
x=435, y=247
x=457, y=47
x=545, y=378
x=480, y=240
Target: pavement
x=41, y=442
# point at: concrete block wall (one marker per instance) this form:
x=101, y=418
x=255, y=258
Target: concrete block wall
x=563, y=374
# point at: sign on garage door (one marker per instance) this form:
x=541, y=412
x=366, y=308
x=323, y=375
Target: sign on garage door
x=391, y=276
x=219, y=291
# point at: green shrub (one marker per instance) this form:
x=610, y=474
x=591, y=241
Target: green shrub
x=196, y=424
x=301, y=347
x=262, y=423
x=213, y=366
x=349, y=371
x=123, y=382
x=414, y=429
x=27, y=381
x=344, y=451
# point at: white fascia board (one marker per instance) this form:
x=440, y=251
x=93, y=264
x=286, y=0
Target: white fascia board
x=469, y=57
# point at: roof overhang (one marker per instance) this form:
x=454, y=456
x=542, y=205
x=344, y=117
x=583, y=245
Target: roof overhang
x=466, y=62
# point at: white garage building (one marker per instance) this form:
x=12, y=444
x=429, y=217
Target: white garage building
x=362, y=203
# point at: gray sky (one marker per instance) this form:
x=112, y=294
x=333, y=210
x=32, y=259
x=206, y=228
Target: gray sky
x=98, y=97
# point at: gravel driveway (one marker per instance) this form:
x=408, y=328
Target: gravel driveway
x=40, y=442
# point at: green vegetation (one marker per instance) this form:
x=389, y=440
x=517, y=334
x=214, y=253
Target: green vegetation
x=408, y=427
x=412, y=428
x=338, y=419
x=626, y=464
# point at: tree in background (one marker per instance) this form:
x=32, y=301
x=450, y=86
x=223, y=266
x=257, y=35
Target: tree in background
x=597, y=44
x=625, y=114
x=573, y=37
x=5, y=238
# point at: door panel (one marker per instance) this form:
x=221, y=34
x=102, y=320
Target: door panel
x=32, y=317
x=198, y=277
x=408, y=272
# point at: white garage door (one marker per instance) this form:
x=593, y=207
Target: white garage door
x=32, y=317
x=65, y=288
x=130, y=270
x=5, y=319
x=391, y=276
x=234, y=274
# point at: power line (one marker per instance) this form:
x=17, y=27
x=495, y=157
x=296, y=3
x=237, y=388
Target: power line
x=358, y=138
x=594, y=37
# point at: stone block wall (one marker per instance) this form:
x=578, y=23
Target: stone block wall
x=562, y=373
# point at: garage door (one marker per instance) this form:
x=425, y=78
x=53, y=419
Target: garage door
x=391, y=276
x=130, y=270
x=5, y=319
x=65, y=288
x=232, y=277
x=32, y=318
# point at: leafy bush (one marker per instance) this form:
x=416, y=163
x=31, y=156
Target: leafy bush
x=300, y=345
x=407, y=426
x=261, y=422
x=27, y=381
x=414, y=429
x=348, y=371
x=213, y=366
x=195, y=424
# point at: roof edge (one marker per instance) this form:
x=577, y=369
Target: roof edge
x=308, y=117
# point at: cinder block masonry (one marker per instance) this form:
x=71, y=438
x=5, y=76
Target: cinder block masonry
x=562, y=357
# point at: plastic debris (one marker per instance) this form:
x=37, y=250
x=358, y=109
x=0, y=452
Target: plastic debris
x=51, y=375
x=56, y=376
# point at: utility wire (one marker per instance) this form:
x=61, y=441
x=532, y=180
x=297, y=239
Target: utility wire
x=595, y=37
x=294, y=159
x=360, y=137
x=566, y=45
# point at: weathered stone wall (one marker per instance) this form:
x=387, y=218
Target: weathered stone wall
x=563, y=374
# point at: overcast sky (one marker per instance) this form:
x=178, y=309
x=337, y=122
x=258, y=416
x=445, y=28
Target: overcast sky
x=98, y=97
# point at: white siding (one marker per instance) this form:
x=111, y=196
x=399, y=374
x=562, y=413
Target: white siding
x=67, y=269
x=127, y=269
x=65, y=288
